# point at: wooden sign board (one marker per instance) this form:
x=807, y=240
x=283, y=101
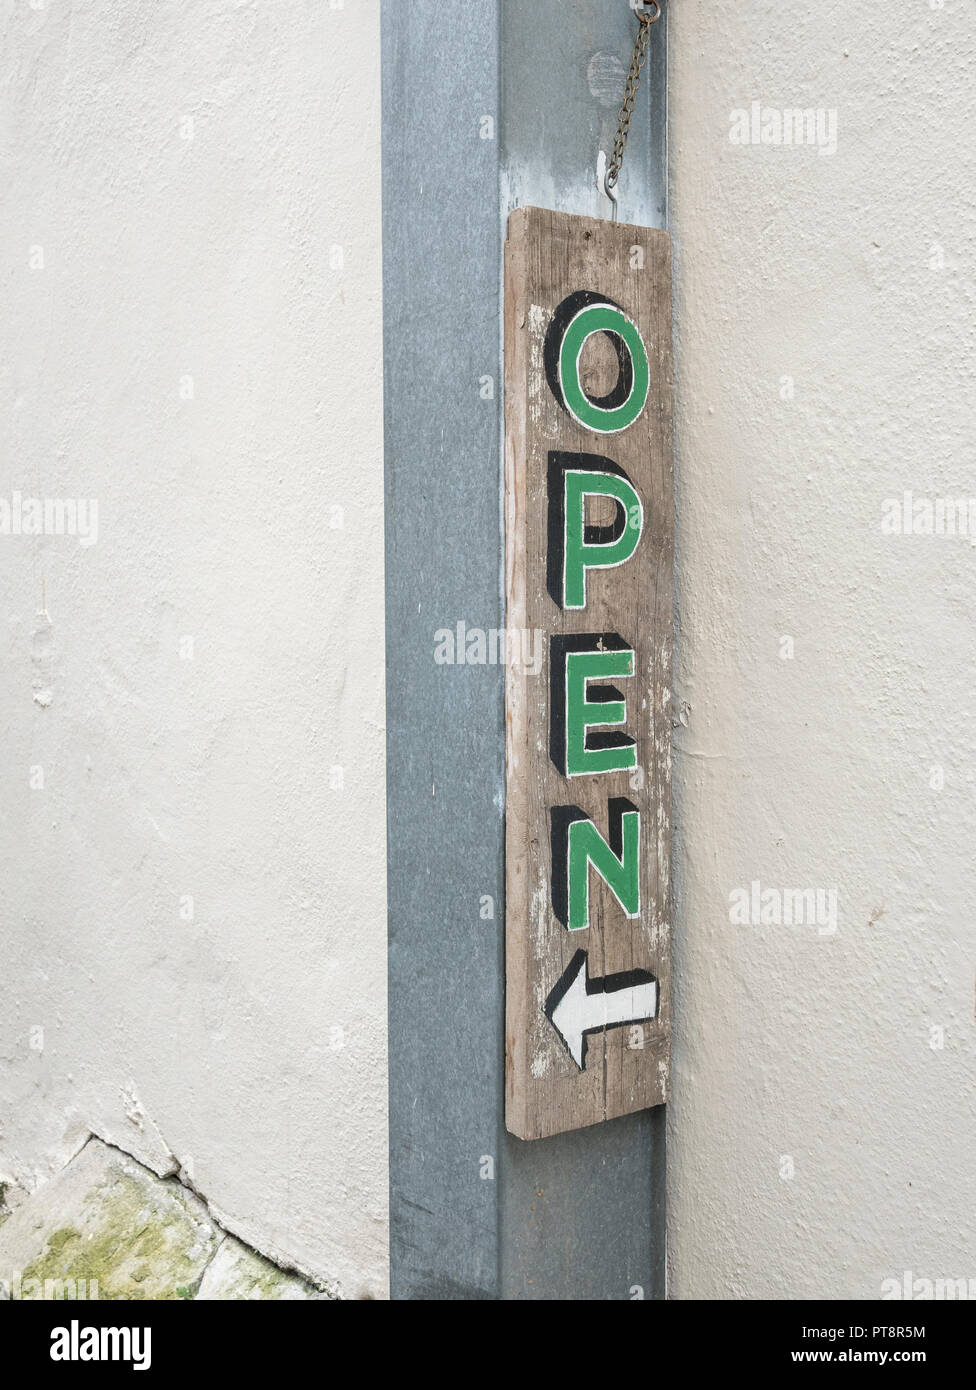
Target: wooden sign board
x=589, y=549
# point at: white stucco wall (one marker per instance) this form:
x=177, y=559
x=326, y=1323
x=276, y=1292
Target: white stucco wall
x=850, y=273
x=181, y=343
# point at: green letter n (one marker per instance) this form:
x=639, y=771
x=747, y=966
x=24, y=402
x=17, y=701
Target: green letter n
x=577, y=844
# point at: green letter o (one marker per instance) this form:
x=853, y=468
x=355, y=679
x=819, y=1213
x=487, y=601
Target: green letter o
x=602, y=318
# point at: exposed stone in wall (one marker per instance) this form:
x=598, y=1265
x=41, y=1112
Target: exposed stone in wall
x=107, y=1228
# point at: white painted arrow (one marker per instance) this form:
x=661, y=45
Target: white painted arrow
x=578, y=1006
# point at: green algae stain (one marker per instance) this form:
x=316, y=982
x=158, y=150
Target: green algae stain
x=134, y=1245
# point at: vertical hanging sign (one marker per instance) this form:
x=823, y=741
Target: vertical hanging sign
x=589, y=547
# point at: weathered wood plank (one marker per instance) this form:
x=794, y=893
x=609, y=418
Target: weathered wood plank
x=549, y=258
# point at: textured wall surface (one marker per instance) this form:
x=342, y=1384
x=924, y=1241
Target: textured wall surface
x=822, y=1125
x=190, y=250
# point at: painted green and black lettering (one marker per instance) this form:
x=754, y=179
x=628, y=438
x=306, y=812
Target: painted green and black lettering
x=574, y=661
x=576, y=319
x=577, y=844
x=575, y=545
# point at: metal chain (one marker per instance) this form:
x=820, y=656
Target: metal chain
x=646, y=16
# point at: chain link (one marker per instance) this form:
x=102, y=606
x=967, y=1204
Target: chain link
x=645, y=18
